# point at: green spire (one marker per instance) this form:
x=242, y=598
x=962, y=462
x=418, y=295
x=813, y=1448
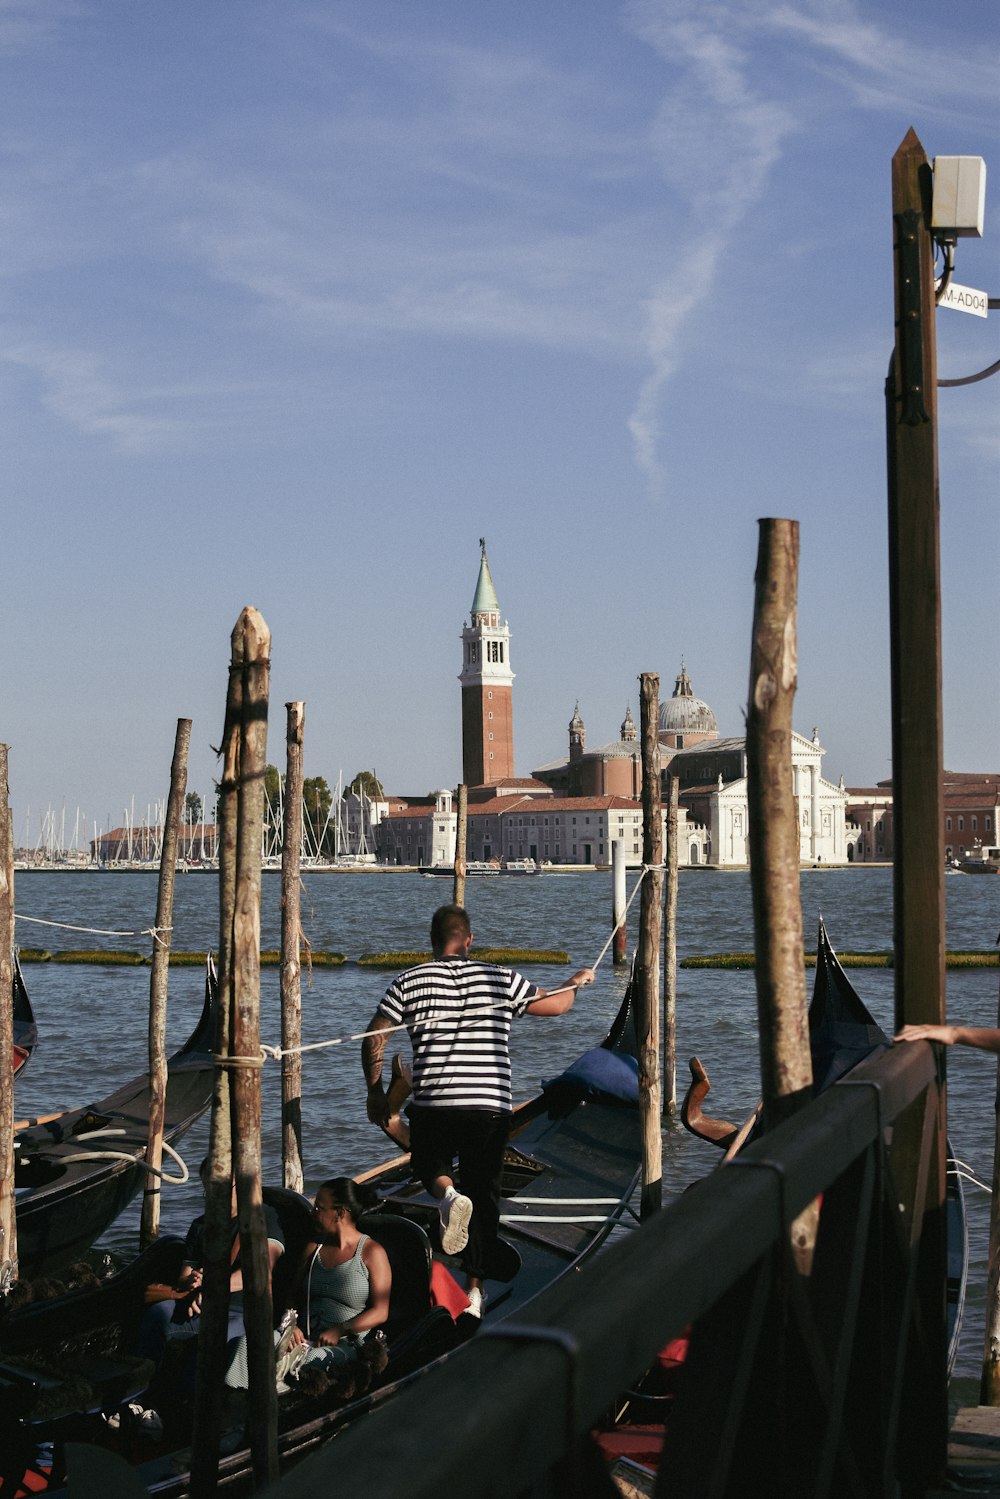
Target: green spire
x=485, y=600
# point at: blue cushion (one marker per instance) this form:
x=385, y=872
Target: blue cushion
x=612, y=1073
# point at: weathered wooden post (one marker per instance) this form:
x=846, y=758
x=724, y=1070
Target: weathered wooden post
x=670, y=953
x=461, y=843
x=619, y=903
x=917, y=759
x=235, y=1131
x=650, y=914
x=149, y=1227
x=245, y=1092
x=291, y=965
x=785, y=1060
x=8, y=1224
x=218, y=1177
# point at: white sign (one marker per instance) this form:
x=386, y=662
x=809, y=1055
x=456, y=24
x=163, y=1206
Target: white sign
x=964, y=299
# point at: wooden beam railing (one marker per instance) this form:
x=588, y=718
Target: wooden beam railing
x=795, y=1386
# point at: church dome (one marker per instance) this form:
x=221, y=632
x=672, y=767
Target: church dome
x=684, y=713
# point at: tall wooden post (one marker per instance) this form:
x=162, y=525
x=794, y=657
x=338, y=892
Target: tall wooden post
x=650, y=915
x=8, y=1223
x=245, y=1089
x=291, y=966
x=461, y=844
x=917, y=761
x=619, y=903
x=149, y=1227
x=670, y=953
x=785, y=1061
x=915, y=602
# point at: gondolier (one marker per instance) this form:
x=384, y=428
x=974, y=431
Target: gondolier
x=458, y=1013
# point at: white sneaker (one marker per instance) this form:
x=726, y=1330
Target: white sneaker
x=477, y=1302
x=455, y=1214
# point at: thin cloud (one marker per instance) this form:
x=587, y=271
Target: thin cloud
x=78, y=391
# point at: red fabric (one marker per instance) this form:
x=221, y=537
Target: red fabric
x=643, y=1444
x=446, y=1291
x=670, y=1359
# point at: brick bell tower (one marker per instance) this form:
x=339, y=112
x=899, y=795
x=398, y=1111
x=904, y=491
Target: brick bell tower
x=486, y=678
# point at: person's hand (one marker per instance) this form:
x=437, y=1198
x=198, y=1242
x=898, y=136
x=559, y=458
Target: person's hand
x=377, y=1106
x=296, y=1337
x=328, y=1338
x=927, y=1032
x=193, y=1307
x=583, y=976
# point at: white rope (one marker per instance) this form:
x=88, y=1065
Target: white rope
x=93, y=931
x=131, y=1158
x=275, y=1053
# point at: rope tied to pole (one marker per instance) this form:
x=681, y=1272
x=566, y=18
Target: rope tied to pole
x=94, y=931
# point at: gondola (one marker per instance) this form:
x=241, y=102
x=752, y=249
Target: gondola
x=25, y=1029
x=76, y=1173
x=842, y=1033
x=571, y=1168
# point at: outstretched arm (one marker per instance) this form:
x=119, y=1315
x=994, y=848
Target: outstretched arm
x=558, y=1001
x=983, y=1038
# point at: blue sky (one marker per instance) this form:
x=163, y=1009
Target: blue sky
x=298, y=301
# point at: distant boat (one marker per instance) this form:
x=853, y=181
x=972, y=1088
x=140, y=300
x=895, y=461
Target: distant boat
x=981, y=861
x=479, y=868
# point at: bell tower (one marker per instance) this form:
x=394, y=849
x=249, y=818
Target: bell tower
x=486, y=678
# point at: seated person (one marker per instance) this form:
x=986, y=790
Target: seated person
x=174, y=1312
x=344, y=1293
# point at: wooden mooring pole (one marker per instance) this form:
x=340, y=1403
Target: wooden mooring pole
x=989, y=1384
x=243, y=746
x=917, y=758
x=648, y=975
x=619, y=902
x=245, y=1096
x=8, y=1223
x=461, y=838
x=670, y=952
x=291, y=956
x=785, y=1061
x=159, y=973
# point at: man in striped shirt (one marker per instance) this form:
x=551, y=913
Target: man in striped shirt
x=458, y=1013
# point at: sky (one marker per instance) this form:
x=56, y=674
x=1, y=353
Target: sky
x=298, y=301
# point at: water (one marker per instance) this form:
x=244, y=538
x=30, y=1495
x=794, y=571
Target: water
x=93, y=1020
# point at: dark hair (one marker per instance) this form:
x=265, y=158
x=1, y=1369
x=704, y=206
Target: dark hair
x=356, y=1198
x=446, y=923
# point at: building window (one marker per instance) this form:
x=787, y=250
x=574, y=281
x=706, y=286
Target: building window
x=490, y=713
x=987, y=823
x=490, y=696
x=975, y=824
x=947, y=824
x=961, y=824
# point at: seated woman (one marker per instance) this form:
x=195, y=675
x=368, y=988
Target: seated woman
x=344, y=1294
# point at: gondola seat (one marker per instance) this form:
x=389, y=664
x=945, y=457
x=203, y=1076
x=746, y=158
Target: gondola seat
x=416, y=1330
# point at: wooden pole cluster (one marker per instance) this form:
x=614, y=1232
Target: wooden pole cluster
x=461, y=841
x=8, y=1223
x=235, y=1123
x=619, y=902
x=785, y=1060
x=291, y=963
x=670, y=953
x=648, y=975
x=149, y=1226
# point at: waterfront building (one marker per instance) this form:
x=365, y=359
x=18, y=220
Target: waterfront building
x=556, y=829
x=418, y=832
x=613, y=769
x=712, y=779
x=971, y=812
x=487, y=687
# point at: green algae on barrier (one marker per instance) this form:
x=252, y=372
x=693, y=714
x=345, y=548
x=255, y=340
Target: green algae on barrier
x=738, y=960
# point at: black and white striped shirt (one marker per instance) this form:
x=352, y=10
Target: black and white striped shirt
x=458, y=1013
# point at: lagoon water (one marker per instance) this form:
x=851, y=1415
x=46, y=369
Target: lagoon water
x=93, y=1020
